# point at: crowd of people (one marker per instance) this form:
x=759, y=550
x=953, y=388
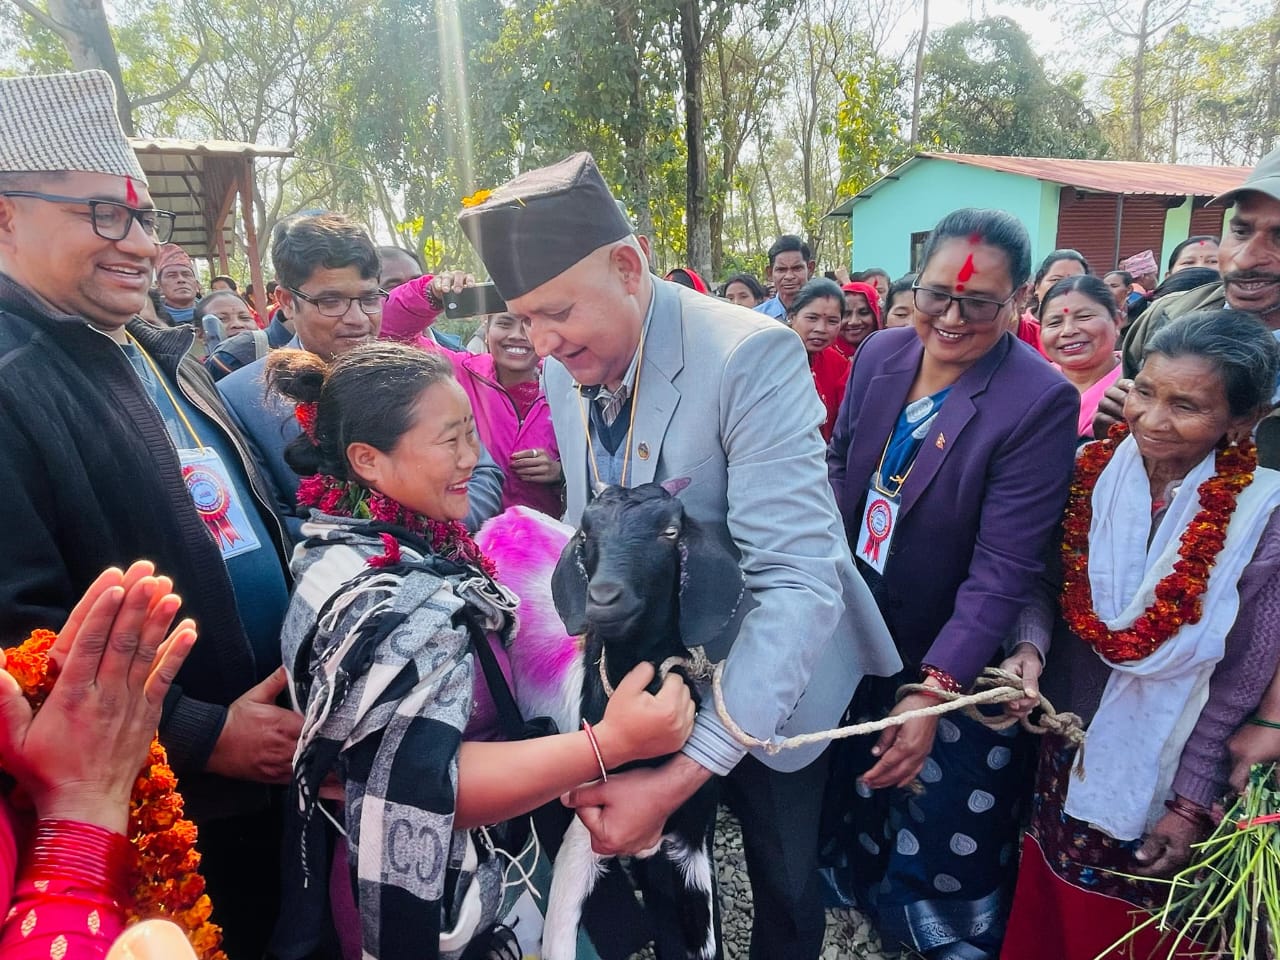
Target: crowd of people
x=1066, y=474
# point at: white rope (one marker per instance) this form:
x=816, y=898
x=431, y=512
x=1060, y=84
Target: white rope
x=994, y=686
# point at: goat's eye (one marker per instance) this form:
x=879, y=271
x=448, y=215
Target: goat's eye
x=671, y=533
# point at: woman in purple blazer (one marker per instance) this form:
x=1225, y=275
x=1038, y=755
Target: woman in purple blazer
x=950, y=461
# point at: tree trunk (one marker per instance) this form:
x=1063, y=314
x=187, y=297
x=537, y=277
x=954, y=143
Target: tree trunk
x=697, y=227
x=1139, y=99
x=919, y=76
x=82, y=25
x=632, y=128
x=1271, y=129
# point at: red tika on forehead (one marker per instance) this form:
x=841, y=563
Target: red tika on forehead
x=130, y=191
x=966, y=273
x=975, y=238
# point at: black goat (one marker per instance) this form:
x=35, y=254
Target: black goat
x=642, y=582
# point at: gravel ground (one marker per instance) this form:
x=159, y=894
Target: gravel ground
x=849, y=936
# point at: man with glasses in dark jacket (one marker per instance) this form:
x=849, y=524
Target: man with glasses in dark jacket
x=114, y=446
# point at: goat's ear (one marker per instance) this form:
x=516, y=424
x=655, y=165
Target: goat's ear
x=711, y=586
x=569, y=587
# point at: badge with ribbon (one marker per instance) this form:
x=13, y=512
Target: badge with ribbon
x=214, y=498
x=879, y=517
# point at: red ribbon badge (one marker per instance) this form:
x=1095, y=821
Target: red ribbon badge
x=212, y=501
x=879, y=528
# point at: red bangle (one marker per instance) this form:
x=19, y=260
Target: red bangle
x=944, y=680
x=595, y=745
x=80, y=854
x=1189, y=812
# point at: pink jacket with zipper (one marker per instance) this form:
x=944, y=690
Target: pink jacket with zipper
x=406, y=317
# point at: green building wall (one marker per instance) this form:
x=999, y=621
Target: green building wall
x=882, y=224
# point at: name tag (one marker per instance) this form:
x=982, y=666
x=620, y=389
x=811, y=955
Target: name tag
x=875, y=532
x=214, y=497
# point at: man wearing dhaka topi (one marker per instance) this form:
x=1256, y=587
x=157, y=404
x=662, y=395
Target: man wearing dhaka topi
x=114, y=445
x=650, y=381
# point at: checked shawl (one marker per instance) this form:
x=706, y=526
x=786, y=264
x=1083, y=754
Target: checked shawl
x=383, y=677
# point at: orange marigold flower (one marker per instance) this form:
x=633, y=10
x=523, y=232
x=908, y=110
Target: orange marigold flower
x=163, y=877
x=1178, y=595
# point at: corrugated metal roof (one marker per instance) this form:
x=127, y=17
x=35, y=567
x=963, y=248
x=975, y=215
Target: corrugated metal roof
x=198, y=180
x=1095, y=176
x=214, y=148
x=1114, y=176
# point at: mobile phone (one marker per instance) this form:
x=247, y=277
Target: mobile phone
x=474, y=301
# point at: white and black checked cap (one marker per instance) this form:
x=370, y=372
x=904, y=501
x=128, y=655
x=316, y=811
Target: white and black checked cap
x=64, y=121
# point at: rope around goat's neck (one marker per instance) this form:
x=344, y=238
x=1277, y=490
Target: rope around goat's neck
x=693, y=659
x=994, y=686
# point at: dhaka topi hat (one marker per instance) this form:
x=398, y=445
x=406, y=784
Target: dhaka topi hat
x=172, y=255
x=1264, y=179
x=538, y=225
x=64, y=121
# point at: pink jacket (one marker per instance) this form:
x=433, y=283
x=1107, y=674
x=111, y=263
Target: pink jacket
x=406, y=317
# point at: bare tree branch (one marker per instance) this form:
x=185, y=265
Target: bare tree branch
x=183, y=84
x=43, y=18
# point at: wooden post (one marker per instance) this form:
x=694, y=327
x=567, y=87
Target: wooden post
x=220, y=243
x=251, y=237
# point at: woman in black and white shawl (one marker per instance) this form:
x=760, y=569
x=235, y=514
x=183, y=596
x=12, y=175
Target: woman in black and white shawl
x=380, y=641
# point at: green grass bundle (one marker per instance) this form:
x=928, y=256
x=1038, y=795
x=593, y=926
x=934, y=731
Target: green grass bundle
x=1228, y=898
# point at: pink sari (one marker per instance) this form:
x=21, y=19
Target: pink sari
x=1090, y=399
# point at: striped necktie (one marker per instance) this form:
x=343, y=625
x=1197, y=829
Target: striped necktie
x=611, y=403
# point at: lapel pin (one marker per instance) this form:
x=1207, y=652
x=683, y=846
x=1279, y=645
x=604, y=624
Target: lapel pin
x=643, y=450
x=941, y=442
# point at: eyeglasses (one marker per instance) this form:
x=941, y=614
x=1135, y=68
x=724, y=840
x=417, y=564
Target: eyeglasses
x=331, y=305
x=934, y=303
x=111, y=220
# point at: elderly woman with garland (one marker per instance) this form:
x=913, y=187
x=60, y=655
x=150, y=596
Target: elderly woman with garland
x=1170, y=608
x=394, y=648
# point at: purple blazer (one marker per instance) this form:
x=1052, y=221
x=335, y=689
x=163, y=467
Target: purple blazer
x=979, y=508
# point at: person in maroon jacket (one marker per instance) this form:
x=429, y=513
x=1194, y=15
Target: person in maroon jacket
x=950, y=461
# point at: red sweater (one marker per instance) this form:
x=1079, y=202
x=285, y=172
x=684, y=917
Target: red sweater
x=830, y=371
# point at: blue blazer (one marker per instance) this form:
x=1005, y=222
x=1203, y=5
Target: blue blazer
x=980, y=506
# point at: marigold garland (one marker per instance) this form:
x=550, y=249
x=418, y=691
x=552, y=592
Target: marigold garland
x=477, y=198
x=1178, y=595
x=164, y=877
x=343, y=498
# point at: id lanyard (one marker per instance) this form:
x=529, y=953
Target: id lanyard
x=208, y=482
x=880, y=516
x=164, y=385
x=631, y=424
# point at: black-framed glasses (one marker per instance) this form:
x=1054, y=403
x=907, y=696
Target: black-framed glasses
x=112, y=220
x=934, y=303
x=332, y=305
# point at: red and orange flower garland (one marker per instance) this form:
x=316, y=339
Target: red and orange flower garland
x=1178, y=595
x=165, y=878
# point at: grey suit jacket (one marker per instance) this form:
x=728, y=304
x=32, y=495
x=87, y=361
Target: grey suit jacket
x=725, y=398
x=267, y=422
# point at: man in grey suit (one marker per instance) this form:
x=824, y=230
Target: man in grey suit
x=650, y=381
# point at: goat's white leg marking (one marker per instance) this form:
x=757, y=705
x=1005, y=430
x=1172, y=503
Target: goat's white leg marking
x=577, y=869
x=694, y=865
